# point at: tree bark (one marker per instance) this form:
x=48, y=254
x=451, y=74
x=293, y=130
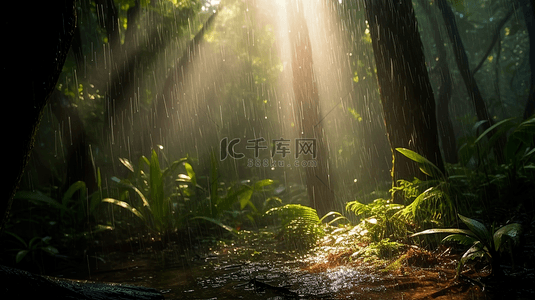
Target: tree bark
x=468, y=76
x=319, y=189
x=528, y=10
x=406, y=93
x=445, y=126
x=31, y=72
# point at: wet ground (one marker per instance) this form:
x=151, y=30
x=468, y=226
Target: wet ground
x=237, y=272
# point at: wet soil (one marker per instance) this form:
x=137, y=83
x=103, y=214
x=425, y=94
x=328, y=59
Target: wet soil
x=260, y=271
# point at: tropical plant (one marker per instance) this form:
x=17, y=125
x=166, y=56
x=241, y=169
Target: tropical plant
x=431, y=203
x=73, y=213
x=152, y=188
x=220, y=202
x=300, y=226
x=378, y=218
x=518, y=150
x=484, y=243
x=32, y=249
x=166, y=200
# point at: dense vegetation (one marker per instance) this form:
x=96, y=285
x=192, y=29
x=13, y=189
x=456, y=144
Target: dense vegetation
x=134, y=142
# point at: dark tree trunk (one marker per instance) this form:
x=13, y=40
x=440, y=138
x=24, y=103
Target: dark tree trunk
x=307, y=100
x=32, y=73
x=406, y=93
x=529, y=17
x=445, y=126
x=468, y=76
x=39, y=43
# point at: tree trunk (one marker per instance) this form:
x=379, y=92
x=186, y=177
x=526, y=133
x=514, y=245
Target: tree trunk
x=31, y=72
x=52, y=25
x=445, y=126
x=319, y=190
x=406, y=93
x=529, y=17
x=468, y=76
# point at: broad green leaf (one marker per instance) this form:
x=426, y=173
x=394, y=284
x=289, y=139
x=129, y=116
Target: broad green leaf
x=39, y=197
x=478, y=229
x=18, y=238
x=20, y=255
x=50, y=250
x=217, y=222
x=491, y=128
x=125, y=206
x=127, y=164
x=445, y=230
x=172, y=168
x=510, y=231
x=261, y=183
x=477, y=125
x=460, y=238
x=77, y=186
x=528, y=154
x=245, y=198
x=127, y=184
x=36, y=239
x=426, y=166
x=191, y=173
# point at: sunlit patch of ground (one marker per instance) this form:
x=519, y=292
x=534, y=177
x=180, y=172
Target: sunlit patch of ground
x=414, y=274
x=342, y=266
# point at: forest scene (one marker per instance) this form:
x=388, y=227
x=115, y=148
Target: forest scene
x=269, y=149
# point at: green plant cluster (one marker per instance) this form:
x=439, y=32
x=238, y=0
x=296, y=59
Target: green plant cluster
x=51, y=225
x=166, y=200
x=483, y=243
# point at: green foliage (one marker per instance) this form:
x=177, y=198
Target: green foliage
x=382, y=249
x=74, y=214
x=425, y=165
x=518, y=150
x=165, y=200
x=74, y=207
x=428, y=202
x=32, y=247
x=300, y=226
x=484, y=243
x=379, y=219
x=152, y=189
